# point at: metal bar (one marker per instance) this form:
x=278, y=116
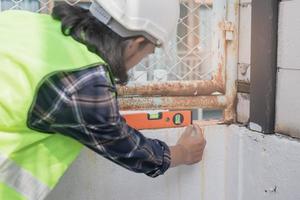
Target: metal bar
x=263, y=65
x=231, y=60
x=178, y=88
x=174, y=88
x=152, y=103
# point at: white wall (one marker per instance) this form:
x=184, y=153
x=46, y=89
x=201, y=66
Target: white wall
x=92, y=177
x=269, y=166
x=238, y=165
x=288, y=81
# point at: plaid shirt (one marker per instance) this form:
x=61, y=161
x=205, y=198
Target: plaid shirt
x=82, y=104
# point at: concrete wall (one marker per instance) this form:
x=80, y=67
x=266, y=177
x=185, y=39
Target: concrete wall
x=92, y=177
x=288, y=81
x=238, y=165
x=269, y=166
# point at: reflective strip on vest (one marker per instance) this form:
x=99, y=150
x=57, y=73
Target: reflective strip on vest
x=22, y=181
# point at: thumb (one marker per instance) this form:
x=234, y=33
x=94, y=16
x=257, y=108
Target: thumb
x=188, y=131
x=199, y=131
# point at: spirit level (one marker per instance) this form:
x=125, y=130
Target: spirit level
x=155, y=120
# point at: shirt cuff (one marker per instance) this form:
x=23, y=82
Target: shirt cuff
x=166, y=161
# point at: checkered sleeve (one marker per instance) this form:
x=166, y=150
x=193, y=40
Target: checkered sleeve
x=82, y=104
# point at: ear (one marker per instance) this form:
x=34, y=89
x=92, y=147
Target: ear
x=135, y=43
x=139, y=40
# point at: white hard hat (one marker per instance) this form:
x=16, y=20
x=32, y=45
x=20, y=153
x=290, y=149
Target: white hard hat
x=154, y=19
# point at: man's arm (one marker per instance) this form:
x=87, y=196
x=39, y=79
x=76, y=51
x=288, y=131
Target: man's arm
x=82, y=105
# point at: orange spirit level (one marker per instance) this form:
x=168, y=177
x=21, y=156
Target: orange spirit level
x=155, y=120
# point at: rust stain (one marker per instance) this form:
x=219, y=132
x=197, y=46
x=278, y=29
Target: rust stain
x=227, y=26
x=174, y=88
x=230, y=111
x=142, y=103
x=219, y=77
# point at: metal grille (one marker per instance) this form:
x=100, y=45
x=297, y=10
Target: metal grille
x=200, y=68
x=40, y=6
x=190, y=53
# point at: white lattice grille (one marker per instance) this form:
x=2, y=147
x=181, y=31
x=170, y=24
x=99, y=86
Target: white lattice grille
x=190, y=53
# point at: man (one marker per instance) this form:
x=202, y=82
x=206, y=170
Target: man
x=57, y=82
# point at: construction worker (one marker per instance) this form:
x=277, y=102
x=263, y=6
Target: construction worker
x=58, y=78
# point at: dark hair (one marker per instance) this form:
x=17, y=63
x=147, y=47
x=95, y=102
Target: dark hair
x=99, y=39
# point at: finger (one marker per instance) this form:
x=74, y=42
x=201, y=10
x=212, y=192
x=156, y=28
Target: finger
x=188, y=131
x=185, y=133
x=197, y=127
x=199, y=131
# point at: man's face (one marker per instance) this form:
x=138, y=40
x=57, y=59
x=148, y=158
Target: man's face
x=136, y=50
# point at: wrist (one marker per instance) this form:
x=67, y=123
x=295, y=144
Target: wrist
x=177, y=155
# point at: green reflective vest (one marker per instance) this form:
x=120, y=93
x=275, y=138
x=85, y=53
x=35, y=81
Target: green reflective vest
x=32, y=47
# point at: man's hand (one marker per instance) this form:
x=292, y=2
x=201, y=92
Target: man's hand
x=189, y=148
